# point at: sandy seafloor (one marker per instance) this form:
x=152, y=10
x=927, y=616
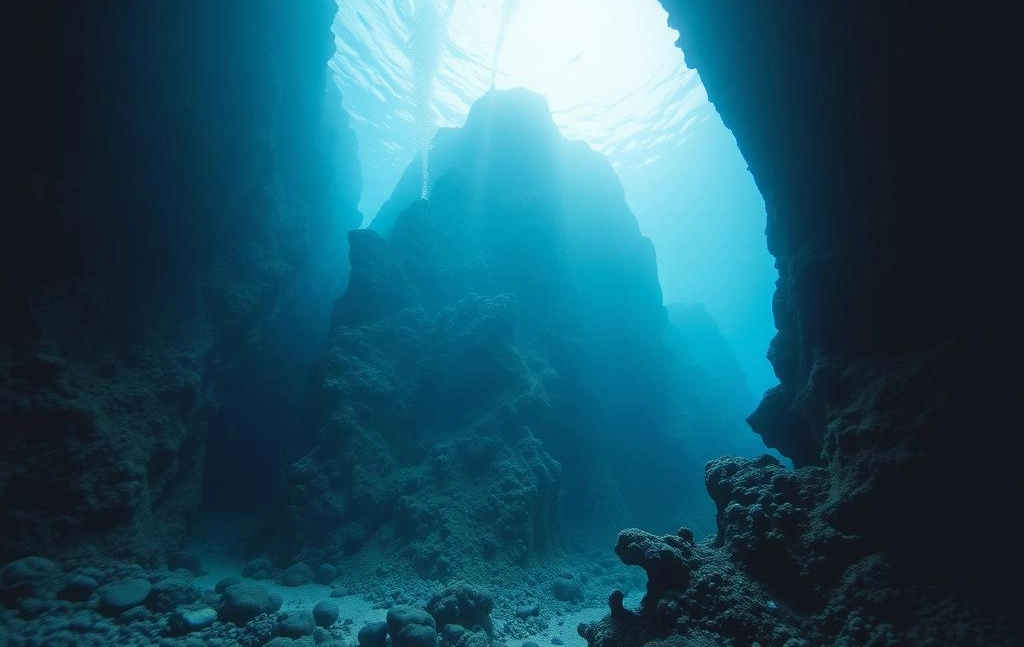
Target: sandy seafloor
x=364, y=598
x=366, y=586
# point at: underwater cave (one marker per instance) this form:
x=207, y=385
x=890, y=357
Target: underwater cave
x=436, y=323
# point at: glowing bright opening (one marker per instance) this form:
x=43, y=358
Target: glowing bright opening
x=601, y=63
x=613, y=78
x=610, y=70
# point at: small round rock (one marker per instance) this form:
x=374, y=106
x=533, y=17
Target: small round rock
x=325, y=613
x=123, y=595
x=185, y=620
x=373, y=634
x=295, y=624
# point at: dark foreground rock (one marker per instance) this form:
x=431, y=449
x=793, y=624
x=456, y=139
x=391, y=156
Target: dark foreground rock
x=893, y=531
x=779, y=573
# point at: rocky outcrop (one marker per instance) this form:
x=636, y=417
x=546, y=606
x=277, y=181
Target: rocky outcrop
x=879, y=403
x=167, y=185
x=780, y=574
x=483, y=331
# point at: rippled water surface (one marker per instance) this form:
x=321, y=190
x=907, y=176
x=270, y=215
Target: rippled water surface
x=614, y=78
x=609, y=68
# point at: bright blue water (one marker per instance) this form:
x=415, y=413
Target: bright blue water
x=613, y=78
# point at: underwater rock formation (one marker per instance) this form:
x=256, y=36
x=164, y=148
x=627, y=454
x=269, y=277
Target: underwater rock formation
x=168, y=183
x=779, y=573
x=483, y=330
x=171, y=172
x=893, y=530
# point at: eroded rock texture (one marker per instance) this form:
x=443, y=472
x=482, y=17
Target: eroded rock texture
x=169, y=174
x=893, y=531
x=780, y=573
x=877, y=361
x=485, y=332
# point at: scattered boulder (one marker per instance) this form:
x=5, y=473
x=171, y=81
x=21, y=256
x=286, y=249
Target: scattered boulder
x=451, y=634
x=402, y=616
x=463, y=605
x=373, y=634
x=36, y=607
x=455, y=635
x=32, y=577
x=243, y=602
x=185, y=620
x=295, y=624
x=411, y=627
x=567, y=588
x=121, y=596
x=169, y=593
x=415, y=635
x=258, y=631
x=527, y=611
x=325, y=613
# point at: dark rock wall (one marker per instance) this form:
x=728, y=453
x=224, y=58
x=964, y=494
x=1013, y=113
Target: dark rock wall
x=842, y=116
x=830, y=116
x=170, y=176
x=259, y=423
x=893, y=530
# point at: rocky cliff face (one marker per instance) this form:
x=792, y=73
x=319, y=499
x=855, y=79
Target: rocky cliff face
x=170, y=176
x=839, y=113
x=486, y=332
